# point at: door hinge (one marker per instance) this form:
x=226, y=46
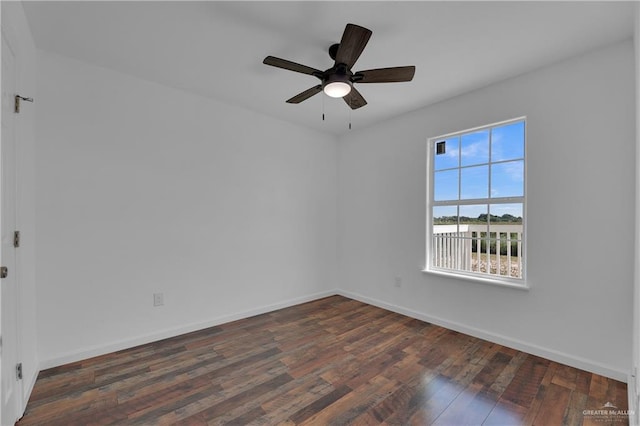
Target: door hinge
x=4, y=271
x=19, y=371
x=16, y=239
x=17, y=99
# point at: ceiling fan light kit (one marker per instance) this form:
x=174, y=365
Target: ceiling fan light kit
x=337, y=86
x=338, y=81
x=337, y=89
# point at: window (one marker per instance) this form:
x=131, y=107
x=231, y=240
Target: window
x=476, y=203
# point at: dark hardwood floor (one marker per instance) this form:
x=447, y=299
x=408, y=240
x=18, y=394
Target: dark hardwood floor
x=334, y=361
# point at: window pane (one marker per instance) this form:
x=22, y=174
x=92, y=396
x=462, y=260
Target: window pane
x=445, y=241
x=498, y=260
x=475, y=148
x=474, y=182
x=474, y=223
x=506, y=231
x=507, y=179
x=448, y=158
x=445, y=185
x=506, y=218
x=445, y=215
x=475, y=215
x=507, y=142
x=506, y=213
x=445, y=229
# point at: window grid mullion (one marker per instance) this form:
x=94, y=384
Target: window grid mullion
x=489, y=211
x=475, y=201
x=510, y=160
x=459, y=182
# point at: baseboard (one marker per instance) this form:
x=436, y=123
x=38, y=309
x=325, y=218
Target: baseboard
x=553, y=355
x=27, y=389
x=563, y=358
x=30, y=383
x=164, y=334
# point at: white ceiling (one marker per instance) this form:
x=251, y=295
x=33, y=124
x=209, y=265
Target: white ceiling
x=215, y=49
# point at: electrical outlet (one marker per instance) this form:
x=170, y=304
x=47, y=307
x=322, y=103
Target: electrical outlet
x=398, y=282
x=158, y=299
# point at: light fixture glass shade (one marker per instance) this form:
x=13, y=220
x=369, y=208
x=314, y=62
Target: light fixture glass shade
x=337, y=89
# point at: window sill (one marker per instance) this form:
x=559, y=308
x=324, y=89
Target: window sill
x=481, y=280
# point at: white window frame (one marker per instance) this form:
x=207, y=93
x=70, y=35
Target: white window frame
x=486, y=278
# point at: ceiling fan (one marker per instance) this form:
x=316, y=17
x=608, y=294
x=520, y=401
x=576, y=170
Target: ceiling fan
x=338, y=80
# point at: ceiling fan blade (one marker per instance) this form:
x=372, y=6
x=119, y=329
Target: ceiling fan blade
x=354, y=99
x=291, y=66
x=385, y=75
x=354, y=39
x=305, y=95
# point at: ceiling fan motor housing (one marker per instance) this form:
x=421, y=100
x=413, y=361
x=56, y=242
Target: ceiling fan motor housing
x=339, y=73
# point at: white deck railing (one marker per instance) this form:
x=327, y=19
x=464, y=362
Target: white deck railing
x=453, y=248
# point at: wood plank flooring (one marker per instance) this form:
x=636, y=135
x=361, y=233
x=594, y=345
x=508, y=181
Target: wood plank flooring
x=333, y=361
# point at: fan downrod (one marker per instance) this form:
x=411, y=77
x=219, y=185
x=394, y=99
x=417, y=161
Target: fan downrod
x=333, y=50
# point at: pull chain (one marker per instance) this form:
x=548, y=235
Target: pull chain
x=323, y=106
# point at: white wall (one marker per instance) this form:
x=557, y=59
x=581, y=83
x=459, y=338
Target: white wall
x=146, y=189
x=580, y=192
x=15, y=26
